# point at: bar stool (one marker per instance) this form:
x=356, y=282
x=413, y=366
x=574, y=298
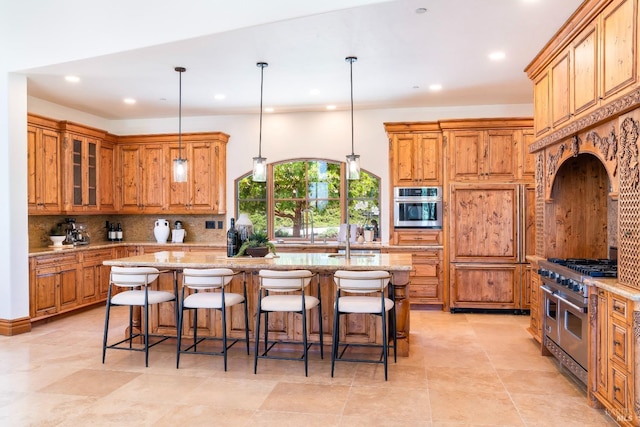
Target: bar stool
x=273, y=285
x=363, y=282
x=208, y=286
x=136, y=281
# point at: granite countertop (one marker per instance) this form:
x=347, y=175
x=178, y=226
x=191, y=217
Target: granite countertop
x=288, y=261
x=612, y=285
x=370, y=246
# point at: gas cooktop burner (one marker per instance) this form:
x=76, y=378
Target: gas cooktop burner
x=589, y=267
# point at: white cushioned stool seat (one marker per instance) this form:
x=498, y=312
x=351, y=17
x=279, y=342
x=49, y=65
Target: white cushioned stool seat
x=205, y=289
x=136, y=281
x=350, y=299
x=284, y=291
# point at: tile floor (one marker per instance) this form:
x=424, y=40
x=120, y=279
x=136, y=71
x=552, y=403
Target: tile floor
x=464, y=370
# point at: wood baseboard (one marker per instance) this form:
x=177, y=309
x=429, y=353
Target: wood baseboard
x=15, y=326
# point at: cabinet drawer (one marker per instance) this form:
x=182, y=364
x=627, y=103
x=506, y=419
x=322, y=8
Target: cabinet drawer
x=422, y=291
x=430, y=271
x=620, y=343
x=426, y=237
x=96, y=255
x=51, y=260
x=619, y=308
x=620, y=389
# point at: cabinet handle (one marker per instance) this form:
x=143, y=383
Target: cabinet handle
x=616, y=342
x=616, y=389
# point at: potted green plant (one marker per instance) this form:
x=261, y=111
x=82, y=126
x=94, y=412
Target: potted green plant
x=57, y=235
x=257, y=245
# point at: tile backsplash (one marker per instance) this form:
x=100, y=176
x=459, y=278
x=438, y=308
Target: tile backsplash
x=136, y=228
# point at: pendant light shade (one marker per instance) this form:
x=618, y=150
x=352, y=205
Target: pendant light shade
x=180, y=165
x=260, y=163
x=353, y=160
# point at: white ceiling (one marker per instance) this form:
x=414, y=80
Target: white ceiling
x=400, y=53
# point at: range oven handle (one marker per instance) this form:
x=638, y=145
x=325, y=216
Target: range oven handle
x=549, y=291
x=572, y=305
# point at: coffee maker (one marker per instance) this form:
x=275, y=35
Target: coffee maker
x=77, y=234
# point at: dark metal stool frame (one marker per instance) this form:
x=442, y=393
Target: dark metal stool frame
x=337, y=356
x=225, y=345
x=144, y=334
x=268, y=345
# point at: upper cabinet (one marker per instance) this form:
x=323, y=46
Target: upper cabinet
x=592, y=62
x=145, y=173
x=44, y=166
x=88, y=174
x=75, y=169
x=488, y=150
x=415, y=153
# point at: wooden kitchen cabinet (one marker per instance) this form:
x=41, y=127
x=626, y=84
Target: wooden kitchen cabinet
x=107, y=176
x=619, y=54
x=484, y=155
x=535, y=303
x=81, y=173
x=417, y=237
x=44, y=177
x=54, y=285
x=485, y=286
x=417, y=159
x=202, y=192
x=415, y=154
x=95, y=275
x=143, y=175
x=426, y=278
x=614, y=357
x=484, y=223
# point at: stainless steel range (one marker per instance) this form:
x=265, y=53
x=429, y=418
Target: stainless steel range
x=566, y=301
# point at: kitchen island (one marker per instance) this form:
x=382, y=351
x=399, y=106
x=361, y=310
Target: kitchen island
x=358, y=328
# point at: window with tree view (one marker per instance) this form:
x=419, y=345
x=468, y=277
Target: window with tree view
x=302, y=198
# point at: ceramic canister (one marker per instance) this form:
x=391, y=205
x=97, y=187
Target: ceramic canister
x=161, y=230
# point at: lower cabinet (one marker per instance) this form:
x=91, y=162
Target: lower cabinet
x=426, y=288
x=535, y=301
x=614, y=356
x=485, y=286
x=95, y=275
x=54, y=284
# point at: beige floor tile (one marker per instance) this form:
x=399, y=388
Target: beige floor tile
x=198, y=415
x=407, y=404
x=540, y=410
x=539, y=382
x=292, y=419
x=466, y=379
x=307, y=398
x=91, y=383
x=473, y=407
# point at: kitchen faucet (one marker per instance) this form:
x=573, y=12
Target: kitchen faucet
x=309, y=211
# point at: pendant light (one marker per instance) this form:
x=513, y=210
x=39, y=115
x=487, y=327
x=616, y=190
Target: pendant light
x=180, y=164
x=260, y=163
x=353, y=160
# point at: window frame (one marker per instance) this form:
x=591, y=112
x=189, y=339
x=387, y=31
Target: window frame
x=270, y=196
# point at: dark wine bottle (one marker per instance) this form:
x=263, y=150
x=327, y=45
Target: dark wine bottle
x=232, y=239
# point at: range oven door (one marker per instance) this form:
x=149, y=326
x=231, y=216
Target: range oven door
x=574, y=330
x=551, y=314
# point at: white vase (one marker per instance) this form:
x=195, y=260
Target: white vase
x=244, y=226
x=161, y=230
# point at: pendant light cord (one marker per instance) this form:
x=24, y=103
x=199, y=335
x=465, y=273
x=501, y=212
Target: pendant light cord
x=261, y=65
x=180, y=70
x=351, y=59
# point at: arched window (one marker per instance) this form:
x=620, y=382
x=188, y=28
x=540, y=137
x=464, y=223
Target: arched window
x=305, y=196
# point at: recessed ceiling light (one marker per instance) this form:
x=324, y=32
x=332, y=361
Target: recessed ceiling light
x=314, y=92
x=331, y=107
x=497, y=56
x=129, y=101
x=72, y=79
x=219, y=96
x=421, y=10
x=416, y=87
x=435, y=87
x=269, y=110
